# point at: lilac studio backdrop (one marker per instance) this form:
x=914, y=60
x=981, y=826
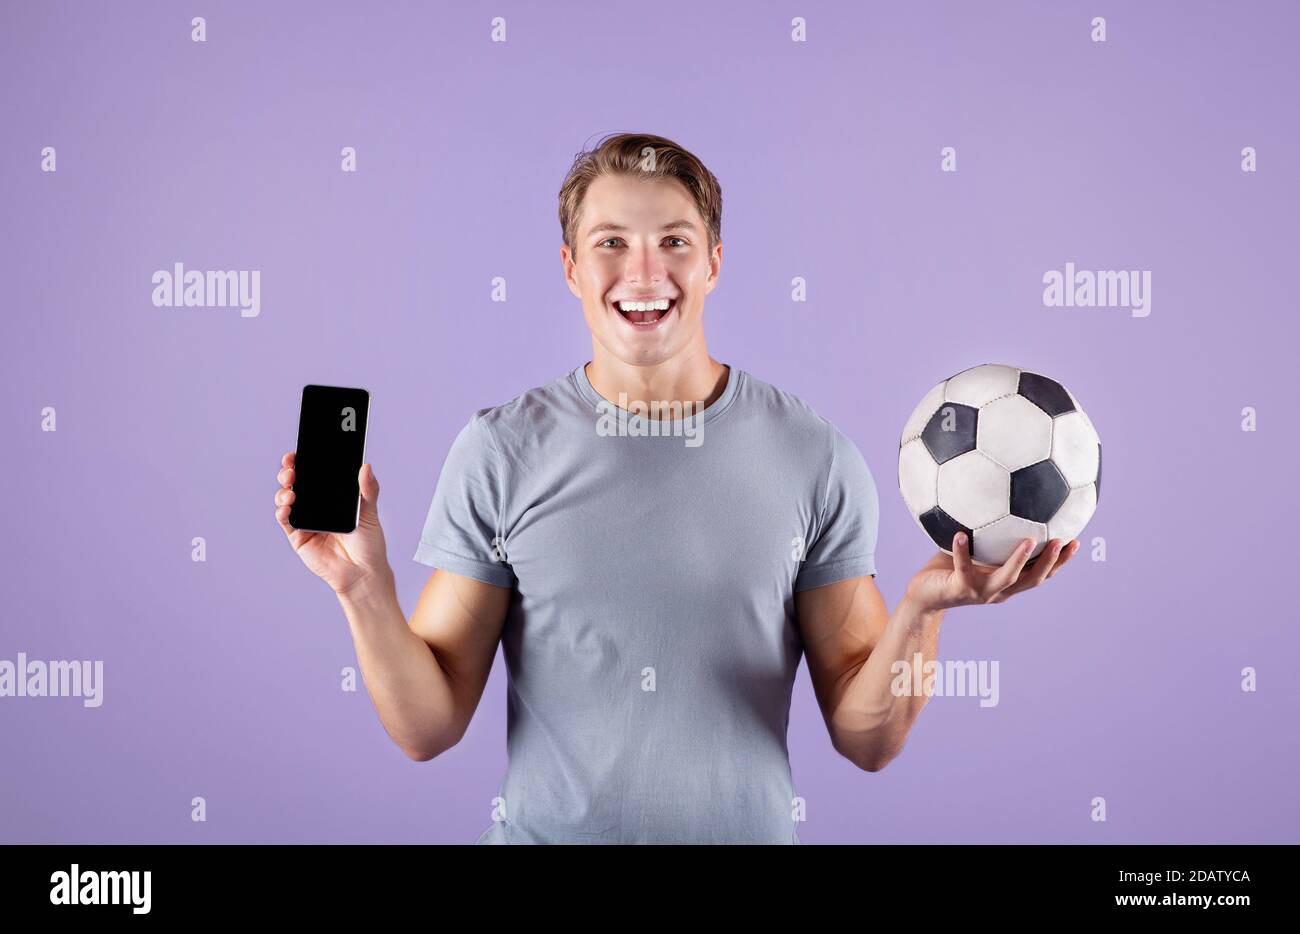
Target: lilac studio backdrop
x=1122, y=679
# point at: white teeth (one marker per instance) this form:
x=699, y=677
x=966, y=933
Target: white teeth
x=660, y=305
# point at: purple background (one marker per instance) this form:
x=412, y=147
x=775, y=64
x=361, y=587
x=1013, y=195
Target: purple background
x=1119, y=679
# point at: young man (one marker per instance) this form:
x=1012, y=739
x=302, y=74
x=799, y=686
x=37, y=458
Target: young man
x=655, y=538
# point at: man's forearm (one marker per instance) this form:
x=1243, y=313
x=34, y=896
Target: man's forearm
x=870, y=723
x=408, y=687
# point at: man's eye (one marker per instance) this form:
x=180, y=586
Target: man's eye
x=679, y=241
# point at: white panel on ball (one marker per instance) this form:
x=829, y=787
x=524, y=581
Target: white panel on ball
x=1073, y=514
x=980, y=385
x=1074, y=448
x=994, y=543
x=918, y=477
x=974, y=490
x=1014, y=432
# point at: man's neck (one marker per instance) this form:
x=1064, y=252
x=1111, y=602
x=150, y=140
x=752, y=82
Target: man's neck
x=696, y=378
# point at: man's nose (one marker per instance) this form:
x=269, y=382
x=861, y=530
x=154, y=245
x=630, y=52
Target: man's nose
x=644, y=264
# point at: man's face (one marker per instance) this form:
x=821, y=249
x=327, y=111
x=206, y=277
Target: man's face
x=641, y=239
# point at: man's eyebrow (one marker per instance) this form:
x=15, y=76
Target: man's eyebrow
x=619, y=228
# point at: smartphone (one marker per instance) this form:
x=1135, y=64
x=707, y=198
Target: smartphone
x=331, y=450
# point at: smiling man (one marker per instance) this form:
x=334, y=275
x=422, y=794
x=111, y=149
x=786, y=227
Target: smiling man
x=652, y=597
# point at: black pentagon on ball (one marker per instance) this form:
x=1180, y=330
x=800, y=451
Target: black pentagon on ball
x=1098, y=481
x=1037, y=491
x=1047, y=394
x=942, y=527
x=950, y=431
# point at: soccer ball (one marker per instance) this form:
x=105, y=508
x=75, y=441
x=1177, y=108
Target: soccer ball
x=1001, y=454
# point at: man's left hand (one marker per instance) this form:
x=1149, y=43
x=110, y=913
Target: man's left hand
x=948, y=581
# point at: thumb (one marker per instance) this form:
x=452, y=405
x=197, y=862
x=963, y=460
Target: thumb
x=369, y=495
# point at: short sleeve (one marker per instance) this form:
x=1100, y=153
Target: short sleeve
x=462, y=532
x=844, y=542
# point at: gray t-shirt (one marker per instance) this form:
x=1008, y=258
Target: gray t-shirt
x=651, y=643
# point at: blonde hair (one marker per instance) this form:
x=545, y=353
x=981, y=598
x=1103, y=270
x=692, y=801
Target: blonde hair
x=642, y=155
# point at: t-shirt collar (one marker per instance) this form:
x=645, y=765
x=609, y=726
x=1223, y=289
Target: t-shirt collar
x=712, y=411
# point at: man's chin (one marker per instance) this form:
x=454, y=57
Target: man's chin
x=643, y=348
x=639, y=353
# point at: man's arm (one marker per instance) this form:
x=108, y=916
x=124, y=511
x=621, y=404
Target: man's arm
x=425, y=679
x=852, y=640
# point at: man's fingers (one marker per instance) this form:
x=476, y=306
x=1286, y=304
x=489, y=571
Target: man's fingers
x=1006, y=575
x=297, y=537
x=1066, y=554
x=283, y=502
x=961, y=563
x=282, y=516
x=284, y=498
x=369, y=486
x=1043, y=567
x=368, y=483
x=1049, y=561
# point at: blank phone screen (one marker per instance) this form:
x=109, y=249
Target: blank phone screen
x=331, y=450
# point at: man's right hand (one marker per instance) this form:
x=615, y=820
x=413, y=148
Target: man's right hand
x=348, y=562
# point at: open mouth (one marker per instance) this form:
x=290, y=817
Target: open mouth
x=646, y=314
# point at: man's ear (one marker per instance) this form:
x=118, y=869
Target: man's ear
x=715, y=267
x=568, y=264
